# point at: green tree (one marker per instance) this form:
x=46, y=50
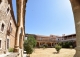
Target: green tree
x=29, y=44
x=31, y=40
x=28, y=48
x=57, y=47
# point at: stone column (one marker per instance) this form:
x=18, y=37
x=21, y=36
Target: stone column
x=39, y=44
x=18, y=25
x=21, y=39
x=76, y=12
x=51, y=44
x=45, y=43
x=21, y=5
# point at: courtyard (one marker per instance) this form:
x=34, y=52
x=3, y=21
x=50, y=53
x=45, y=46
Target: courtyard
x=51, y=52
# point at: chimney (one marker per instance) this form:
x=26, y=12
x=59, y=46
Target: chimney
x=63, y=34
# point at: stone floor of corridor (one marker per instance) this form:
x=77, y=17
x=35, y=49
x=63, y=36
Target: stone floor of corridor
x=51, y=52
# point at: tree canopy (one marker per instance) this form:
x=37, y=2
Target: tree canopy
x=29, y=44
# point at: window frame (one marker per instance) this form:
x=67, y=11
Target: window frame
x=7, y=12
x=2, y=27
x=7, y=42
x=1, y=43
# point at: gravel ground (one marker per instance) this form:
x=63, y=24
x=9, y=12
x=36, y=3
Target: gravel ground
x=51, y=52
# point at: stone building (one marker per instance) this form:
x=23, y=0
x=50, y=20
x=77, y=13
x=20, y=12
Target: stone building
x=70, y=38
x=52, y=40
x=49, y=40
x=11, y=32
x=41, y=39
x=7, y=26
x=65, y=38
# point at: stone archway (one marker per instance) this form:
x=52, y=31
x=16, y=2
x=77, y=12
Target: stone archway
x=20, y=32
x=76, y=12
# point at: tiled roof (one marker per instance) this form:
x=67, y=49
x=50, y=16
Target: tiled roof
x=69, y=35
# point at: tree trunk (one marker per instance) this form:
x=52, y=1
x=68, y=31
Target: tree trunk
x=28, y=55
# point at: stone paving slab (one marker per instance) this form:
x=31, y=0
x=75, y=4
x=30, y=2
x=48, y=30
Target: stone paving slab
x=12, y=55
x=3, y=55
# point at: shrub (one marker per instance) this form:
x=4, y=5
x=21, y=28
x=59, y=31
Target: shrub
x=28, y=49
x=71, y=46
x=31, y=40
x=40, y=46
x=67, y=44
x=11, y=49
x=57, y=47
x=45, y=45
x=52, y=46
x=29, y=44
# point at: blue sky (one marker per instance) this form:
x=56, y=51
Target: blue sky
x=47, y=17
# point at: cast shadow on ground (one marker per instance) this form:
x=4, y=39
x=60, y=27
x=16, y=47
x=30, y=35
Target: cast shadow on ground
x=55, y=53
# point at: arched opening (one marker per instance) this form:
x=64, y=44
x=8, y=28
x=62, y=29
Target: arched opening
x=2, y=27
x=77, y=23
x=9, y=31
x=8, y=9
x=10, y=27
x=60, y=16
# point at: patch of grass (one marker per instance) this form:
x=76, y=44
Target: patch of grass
x=10, y=49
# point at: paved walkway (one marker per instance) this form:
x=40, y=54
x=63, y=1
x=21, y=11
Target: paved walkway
x=24, y=55
x=3, y=55
x=10, y=55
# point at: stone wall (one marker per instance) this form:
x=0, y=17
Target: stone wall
x=5, y=17
x=12, y=37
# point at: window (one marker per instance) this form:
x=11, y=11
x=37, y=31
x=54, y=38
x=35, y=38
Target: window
x=10, y=28
x=40, y=39
x=2, y=27
x=7, y=43
x=0, y=43
x=7, y=9
x=9, y=31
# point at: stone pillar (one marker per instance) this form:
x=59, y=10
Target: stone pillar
x=45, y=43
x=21, y=5
x=18, y=3
x=76, y=12
x=51, y=44
x=39, y=44
x=21, y=39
